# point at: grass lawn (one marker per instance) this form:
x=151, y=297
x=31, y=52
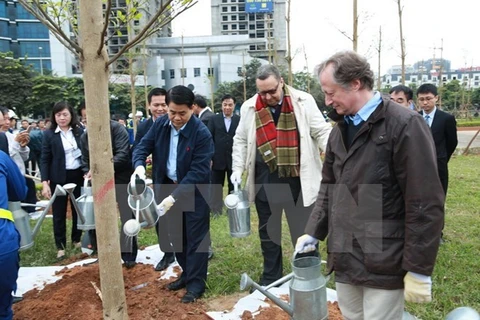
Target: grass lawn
x=456, y=279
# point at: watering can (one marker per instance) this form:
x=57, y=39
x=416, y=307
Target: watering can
x=308, y=290
x=238, y=211
x=22, y=218
x=141, y=200
x=83, y=205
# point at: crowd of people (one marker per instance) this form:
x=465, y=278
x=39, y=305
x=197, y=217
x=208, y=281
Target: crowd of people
x=368, y=195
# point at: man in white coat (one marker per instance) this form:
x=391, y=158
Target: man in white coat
x=278, y=143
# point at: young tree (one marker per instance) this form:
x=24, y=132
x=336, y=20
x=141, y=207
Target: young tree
x=403, y=54
x=89, y=46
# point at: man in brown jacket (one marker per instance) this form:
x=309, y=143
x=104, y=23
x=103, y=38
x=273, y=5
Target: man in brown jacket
x=380, y=201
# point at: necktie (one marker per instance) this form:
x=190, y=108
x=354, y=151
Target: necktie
x=427, y=120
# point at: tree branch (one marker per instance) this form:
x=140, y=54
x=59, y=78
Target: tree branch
x=45, y=19
x=105, y=26
x=150, y=23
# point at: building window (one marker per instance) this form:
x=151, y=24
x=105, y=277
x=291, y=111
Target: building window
x=251, y=35
x=210, y=72
x=172, y=73
x=251, y=17
x=233, y=8
x=260, y=34
x=259, y=16
x=241, y=8
x=224, y=9
x=241, y=17
x=233, y=18
x=225, y=18
x=196, y=72
x=234, y=27
x=163, y=74
x=476, y=83
x=183, y=72
x=34, y=49
x=252, y=47
x=476, y=78
x=32, y=30
x=251, y=27
x=239, y=70
x=242, y=26
x=224, y=1
x=260, y=25
x=243, y=32
x=225, y=27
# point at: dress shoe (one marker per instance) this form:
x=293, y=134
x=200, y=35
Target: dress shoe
x=165, y=262
x=190, y=297
x=210, y=252
x=177, y=285
x=129, y=264
x=61, y=254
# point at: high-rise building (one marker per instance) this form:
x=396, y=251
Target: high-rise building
x=118, y=36
x=229, y=17
x=24, y=36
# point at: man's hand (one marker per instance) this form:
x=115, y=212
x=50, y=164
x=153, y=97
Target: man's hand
x=165, y=205
x=88, y=175
x=140, y=171
x=236, y=177
x=305, y=243
x=418, y=288
x=23, y=138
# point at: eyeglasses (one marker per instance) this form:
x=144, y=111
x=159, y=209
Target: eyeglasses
x=270, y=92
x=425, y=99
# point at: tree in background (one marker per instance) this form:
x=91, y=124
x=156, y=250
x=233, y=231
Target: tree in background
x=15, y=83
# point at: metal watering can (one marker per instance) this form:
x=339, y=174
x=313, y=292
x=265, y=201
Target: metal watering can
x=22, y=218
x=308, y=290
x=83, y=205
x=141, y=200
x=238, y=211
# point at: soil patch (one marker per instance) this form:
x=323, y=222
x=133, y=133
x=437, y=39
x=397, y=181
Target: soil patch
x=74, y=297
x=274, y=312
x=225, y=303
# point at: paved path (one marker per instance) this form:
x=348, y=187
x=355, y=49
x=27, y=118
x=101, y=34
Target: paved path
x=464, y=138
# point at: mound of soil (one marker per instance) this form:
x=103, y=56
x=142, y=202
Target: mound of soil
x=74, y=297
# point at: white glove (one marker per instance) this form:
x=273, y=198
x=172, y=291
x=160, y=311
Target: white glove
x=418, y=288
x=305, y=243
x=236, y=177
x=165, y=205
x=140, y=171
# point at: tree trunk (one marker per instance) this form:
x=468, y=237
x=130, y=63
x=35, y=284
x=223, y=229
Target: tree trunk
x=289, y=45
x=95, y=75
x=379, y=81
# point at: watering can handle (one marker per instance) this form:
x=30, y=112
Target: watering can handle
x=85, y=183
x=235, y=187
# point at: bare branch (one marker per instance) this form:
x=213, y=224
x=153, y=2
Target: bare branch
x=145, y=29
x=43, y=17
x=105, y=26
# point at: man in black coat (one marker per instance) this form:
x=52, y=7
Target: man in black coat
x=222, y=127
x=157, y=107
x=201, y=110
x=122, y=166
x=443, y=127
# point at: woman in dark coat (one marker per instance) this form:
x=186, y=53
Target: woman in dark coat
x=61, y=164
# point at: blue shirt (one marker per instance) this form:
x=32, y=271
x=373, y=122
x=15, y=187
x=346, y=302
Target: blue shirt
x=366, y=111
x=172, y=153
x=227, y=121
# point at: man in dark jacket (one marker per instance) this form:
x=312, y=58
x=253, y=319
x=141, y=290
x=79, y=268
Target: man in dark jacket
x=201, y=110
x=380, y=201
x=443, y=127
x=122, y=166
x=182, y=148
x=157, y=107
x=222, y=127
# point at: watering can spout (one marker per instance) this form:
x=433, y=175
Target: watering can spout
x=69, y=187
x=246, y=282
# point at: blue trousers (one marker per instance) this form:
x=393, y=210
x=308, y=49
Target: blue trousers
x=9, y=265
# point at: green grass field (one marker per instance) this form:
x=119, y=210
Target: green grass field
x=456, y=279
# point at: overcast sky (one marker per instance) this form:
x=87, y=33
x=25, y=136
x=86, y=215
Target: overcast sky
x=315, y=25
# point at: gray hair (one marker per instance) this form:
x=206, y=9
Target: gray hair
x=347, y=67
x=268, y=70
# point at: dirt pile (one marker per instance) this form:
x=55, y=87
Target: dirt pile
x=74, y=297
x=274, y=312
